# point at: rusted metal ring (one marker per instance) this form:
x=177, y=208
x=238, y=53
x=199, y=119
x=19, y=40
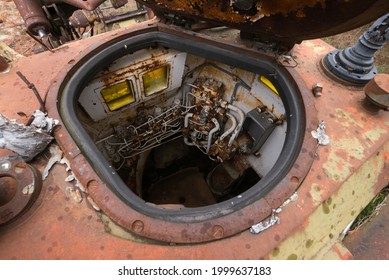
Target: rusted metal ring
x=20, y=185
x=211, y=226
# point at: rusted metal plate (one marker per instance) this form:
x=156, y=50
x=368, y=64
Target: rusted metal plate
x=377, y=91
x=287, y=21
x=154, y=228
x=20, y=185
x=61, y=228
x=82, y=4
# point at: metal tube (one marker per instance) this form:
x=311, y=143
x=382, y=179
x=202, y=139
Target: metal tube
x=33, y=16
x=212, y=132
x=231, y=129
x=89, y=5
x=186, y=123
x=240, y=124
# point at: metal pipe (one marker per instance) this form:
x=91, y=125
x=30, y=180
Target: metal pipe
x=89, y=5
x=231, y=129
x=186, y=120
x=34, y=90
x=212, y=132
x=33, y=16
x=186, y=123
x=240, y=124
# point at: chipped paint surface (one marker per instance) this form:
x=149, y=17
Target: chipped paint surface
x=338, y=166
x=60, y=224
x=347, y=119
x=317, y=49
x=316, y=193
x=325, y=225
x=375, y=134
x=338, y=251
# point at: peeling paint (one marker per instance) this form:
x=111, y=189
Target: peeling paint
x=347, y=119
x=338, y=165
x=317, y=49
x=375, y=134
x=316, y=194
x=115, y=230
x=327, y=222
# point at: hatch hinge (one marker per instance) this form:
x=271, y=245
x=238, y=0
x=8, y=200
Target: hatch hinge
x=267, y=44
x=169, y=18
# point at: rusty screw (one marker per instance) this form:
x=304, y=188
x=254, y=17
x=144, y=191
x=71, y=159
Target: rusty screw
x=137, y=226
x=317, y=89
x=217, y=232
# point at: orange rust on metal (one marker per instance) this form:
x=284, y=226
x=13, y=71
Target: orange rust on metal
x=60, y=225
x=223, y=10
x=377, y=91
x=20, y=185
x=118, y=75
x=284, y=21
x=232, y=223
x=82, y=4
x=33, y=15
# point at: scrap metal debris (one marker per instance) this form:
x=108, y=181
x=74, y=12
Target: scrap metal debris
x=320, y=134
x=26, y=141
x=273, y=219
x=267, y=223
x=56, y=156
x=93, y=204
x=41, y=121
x=75, y=193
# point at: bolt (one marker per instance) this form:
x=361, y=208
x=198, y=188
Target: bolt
x=137, y=226
x=295, y=180
x=5, y=166
x=257, y=154
x=28, y=190
x=217, y=232
x=317, y=89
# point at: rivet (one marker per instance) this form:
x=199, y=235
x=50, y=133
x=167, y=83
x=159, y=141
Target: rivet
x=137, y=226
x=91, y=184
x=317, y=89
x=5, y=165
x=217, y=232
x=28, y=190
x=295, y=180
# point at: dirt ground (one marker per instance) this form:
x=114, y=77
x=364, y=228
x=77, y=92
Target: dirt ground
x=12, y=33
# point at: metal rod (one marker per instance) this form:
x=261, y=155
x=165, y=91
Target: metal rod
x=34, y=90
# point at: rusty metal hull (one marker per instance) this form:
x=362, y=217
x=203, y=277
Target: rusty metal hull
x=60, y=226
x=286, y=21
x=207, y=225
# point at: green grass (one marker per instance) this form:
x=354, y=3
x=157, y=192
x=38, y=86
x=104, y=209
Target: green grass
x=371, y=209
